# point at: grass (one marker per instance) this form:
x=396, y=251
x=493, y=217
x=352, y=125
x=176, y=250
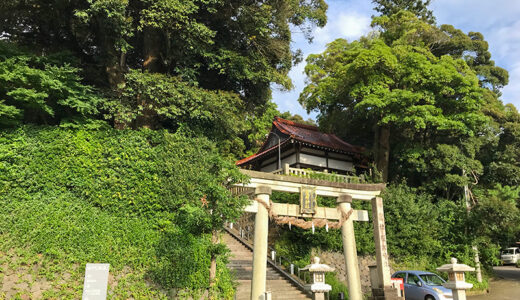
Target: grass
x=46, y=245
x=71, y=197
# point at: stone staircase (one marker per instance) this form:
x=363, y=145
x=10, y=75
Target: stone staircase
x=241, y=263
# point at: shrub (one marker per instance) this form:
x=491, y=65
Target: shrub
x=113, y=196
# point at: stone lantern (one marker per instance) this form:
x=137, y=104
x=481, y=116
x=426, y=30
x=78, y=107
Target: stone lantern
x=318, y=286
x=456, y=279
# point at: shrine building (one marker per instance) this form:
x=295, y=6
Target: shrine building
x=305, y=147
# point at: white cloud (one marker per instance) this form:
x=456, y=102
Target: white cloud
x=349, y=25
x=511, y=93
x=497, y=20
x=481, y=15
x=346, y=19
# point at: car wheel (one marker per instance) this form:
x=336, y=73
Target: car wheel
x=429, y=298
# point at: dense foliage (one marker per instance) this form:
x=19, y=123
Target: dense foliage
x=201, y=67
x=128, y=198
x=427, y=100
x=404, y=92
x=209, y=50
x=44, y=90
x=417, y=7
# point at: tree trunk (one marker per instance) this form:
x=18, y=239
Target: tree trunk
x=114, y=62
x=474, y=247
x=116, y=78
x=382, y=149
x=152, y=63
x=152, y=50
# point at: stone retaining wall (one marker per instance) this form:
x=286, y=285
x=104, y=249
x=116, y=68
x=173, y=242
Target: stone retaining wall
x=337, y=261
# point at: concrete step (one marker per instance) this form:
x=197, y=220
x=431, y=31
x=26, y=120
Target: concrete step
x=241, y=264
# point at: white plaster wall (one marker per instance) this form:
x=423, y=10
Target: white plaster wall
x=313, y=160
x=275, y=158
x=289, y=160
x=340, y=165
x=272, y=166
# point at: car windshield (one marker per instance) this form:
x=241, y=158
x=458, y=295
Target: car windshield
x=431, y=279
x=508, y=251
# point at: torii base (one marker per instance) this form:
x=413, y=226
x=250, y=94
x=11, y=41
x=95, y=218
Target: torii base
x=388, y=293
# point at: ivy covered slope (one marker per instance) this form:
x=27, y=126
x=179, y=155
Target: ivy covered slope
x=139, y=200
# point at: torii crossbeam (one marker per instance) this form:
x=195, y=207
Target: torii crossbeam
x=261, y=185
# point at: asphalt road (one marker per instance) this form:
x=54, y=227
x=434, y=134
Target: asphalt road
x=505, y=287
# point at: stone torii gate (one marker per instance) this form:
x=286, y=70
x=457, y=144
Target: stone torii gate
x=261, y=185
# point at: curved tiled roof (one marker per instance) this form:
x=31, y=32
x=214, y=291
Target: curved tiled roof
x=250, y=158
x=312, y=135
x=307, y=134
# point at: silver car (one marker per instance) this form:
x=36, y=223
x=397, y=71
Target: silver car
x=422, y=285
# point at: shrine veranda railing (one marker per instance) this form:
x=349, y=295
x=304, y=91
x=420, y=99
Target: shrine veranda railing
x=307, y=173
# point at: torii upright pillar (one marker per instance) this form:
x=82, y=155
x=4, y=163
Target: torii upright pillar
x=258, y=284
x=349, y=249
x=383, y=268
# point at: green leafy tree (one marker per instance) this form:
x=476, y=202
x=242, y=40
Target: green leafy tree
x=501, y=158
x=157, y=100
x=418, y=7
x=495, y=217
x=233, y=46
x=156, y=197
x=401, y=88
x=42, y=90
x=405, y=28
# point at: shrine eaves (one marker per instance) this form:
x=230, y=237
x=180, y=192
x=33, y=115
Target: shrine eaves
x=305, y=147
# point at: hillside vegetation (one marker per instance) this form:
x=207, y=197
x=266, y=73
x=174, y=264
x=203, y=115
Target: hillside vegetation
x=120, y=122
x=128, y=198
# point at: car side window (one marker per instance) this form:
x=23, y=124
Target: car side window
x=400, y=275
x=413, y=279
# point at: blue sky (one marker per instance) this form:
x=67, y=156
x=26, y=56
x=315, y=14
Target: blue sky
x=497, y=20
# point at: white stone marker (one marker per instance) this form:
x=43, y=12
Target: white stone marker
x=96, y=281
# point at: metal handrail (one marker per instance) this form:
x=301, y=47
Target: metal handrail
x=293, y=270
x=300, y=278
